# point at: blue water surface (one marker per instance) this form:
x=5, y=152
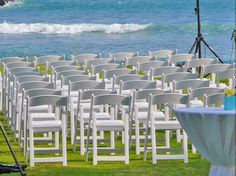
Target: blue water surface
x=170, y=24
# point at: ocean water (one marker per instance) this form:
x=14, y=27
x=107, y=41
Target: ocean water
x=40, y=27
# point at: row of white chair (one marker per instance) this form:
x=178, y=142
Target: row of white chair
x=78, y=83
x=70, y=70
x=73, y=70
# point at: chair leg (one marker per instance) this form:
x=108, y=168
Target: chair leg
x=178, y=135
x=102, y=134
x=126, y=138
x=137, y=137
x=57, y=140
x=31, y=137
x=82, y=148
x=122, y=133
x=185, y=145
x=72, y=126
x=25, y=138
x=94, y=143
x=112, y=133
x=64, y=150
x=167, y=138
x=19, y=134
x=194, y=150
x=153, y=136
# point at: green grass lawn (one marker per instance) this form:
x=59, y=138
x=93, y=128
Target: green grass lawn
x=77, y=166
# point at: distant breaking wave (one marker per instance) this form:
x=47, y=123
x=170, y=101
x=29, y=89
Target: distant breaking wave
x=47, y=28
x=116, y=28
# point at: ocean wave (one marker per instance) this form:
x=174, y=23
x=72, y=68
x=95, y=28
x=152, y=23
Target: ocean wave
x=116, y=28
x=47, y=28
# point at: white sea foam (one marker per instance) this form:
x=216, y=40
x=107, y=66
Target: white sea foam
x=47, y=28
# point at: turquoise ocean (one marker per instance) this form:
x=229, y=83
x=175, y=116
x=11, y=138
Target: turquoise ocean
x=41, y=27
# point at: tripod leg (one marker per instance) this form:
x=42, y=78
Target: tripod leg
x=12, y=152
x=213, y=52
x=199, y=49
x=194, y=44
x=196, y=48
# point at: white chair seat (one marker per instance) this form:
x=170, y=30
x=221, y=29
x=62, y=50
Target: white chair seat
x=108, y=85
x=108, y=125
x=126, y=92
x=47, y=125
x=100, y=116
x=142, y=116
x=42, y=116
x=167, y=125
x=142, y=105
x=43, y=108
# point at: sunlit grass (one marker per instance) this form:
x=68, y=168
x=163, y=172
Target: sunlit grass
x=77, y=166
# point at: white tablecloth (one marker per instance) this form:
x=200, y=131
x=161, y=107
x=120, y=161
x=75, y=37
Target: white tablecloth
x=212, y=131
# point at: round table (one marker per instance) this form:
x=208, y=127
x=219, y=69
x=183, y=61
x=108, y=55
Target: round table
x=212, y=131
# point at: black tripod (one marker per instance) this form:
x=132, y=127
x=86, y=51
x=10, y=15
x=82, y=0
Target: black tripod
x=199, y=38
x=8, y=168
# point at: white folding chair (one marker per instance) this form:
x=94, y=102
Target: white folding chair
x=197, y=63
x=95, y=70
x=21, y=88
x=141, y=115
x=162, y=54
x=57, y=125
x=158, y=73
x=184, y=87
x=214, y=100
x=81, y=58
x=167, y=79
x=230, y=75
x=120, y=57
x=59, y=63
x=181, y=59
x=2, y=61
x=42, y=60
x=145, y=67
x=65, y=79
x=73, y=98
x=108, y=76
x=168, y=100
x=8, y=81
x=40, y=110
x=111, y=125
x=82, y=114
x=214, y=70
x=89, y=63
x=129, y=77
x=126, y=87
x=133, y=61
x=64, y=70
x=16, y=94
